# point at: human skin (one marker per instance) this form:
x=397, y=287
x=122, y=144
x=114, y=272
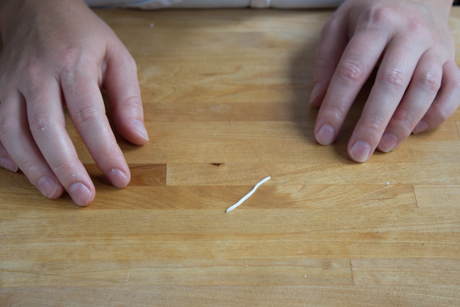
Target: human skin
x=57, y=54
x=417, y=86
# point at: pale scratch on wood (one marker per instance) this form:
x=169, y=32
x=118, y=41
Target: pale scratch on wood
x=351, y=270
x=9, y=260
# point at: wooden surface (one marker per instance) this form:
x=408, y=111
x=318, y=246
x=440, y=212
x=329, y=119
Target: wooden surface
x=226, y=101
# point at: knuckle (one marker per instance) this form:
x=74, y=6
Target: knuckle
x=455, y=84
x=39, y=121
x=321, y=64
x=416, y=26
x=70, y=56
x=131, y=107
x=394, y=78
x=335, y=112
x=430, y=81
x=33, y=68
x=409, y=119
x=351, y=70
x=441, y=114
x=328, y=28
x=133, y=103
x=379, y=17
x=28, y=166
x=405, y=117
x=62, y=169
x=322, y=70
x=374, y=125
x=86, y=114
x=7, y=124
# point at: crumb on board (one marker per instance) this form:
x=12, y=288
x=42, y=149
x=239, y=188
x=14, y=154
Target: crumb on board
x=248, y=195
x=388, y=183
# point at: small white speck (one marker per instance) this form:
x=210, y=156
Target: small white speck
x=320, y=268
x=43, y=129
x=151, y=25
x=226, y=244
x=73, y=175
x=388, y=183
x=305, y=276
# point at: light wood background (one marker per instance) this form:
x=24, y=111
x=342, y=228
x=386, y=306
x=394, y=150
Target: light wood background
x=226, y=102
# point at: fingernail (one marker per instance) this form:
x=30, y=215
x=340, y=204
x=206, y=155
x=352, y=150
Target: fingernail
x=421, y=126
x=315, y=91
x=388, y=142
x=325, y=135
x=140, y=129
x=80, y=193
x=47, y=186
x=8, y=163
x=360, y=151
x=118, y=178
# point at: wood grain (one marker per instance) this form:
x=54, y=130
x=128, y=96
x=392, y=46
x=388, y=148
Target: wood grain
x=226, y=102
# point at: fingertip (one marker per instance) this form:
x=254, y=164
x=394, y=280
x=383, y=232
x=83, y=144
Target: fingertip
x=132, y=130
x=8, y=163
x=360, y=151
x=314, y=101
x=421, y=127
x=49, y=187
x=388, y=142
x=81, y=194
x=141, y=132
x=325, y=135
x=118, y=178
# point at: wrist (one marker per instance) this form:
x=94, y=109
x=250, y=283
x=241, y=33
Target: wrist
x=15, y=13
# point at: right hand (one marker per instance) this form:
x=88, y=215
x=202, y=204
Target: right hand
x=59, y=53
x=417, y=84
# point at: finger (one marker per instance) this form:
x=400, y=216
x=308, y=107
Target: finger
x=5, y=160
x=17, y=139
x=415, y=103
x=355, y=67
x=332, y=43
x=47, y=124
x=124, y=96
x=86, y=107
x=392, y=79
x=446, y=102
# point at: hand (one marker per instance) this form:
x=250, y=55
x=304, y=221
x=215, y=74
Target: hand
x=417, y=84
x=57, y=53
